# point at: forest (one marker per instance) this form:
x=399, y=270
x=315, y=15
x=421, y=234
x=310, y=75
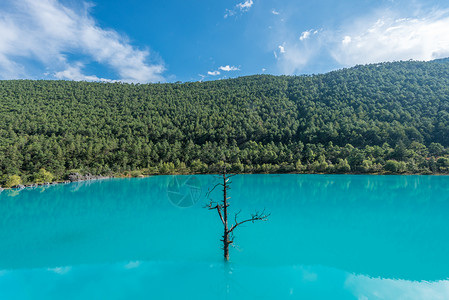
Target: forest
x=387, y=118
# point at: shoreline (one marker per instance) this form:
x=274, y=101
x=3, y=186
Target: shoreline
x=95, y=178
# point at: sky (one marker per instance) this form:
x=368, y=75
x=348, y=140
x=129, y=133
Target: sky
x=143, y=41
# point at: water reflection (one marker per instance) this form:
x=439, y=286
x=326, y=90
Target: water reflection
x=393, y=229
x=379, y=226
x=364, y=287
x=200, y=280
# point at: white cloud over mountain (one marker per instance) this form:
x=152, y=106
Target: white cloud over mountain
x=62, y=41
x=394, y=38
x=378, y=37
x=228, y=68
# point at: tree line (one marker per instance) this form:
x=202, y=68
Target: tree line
x=378, y=118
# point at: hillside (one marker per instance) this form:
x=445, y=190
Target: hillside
x=389, y=117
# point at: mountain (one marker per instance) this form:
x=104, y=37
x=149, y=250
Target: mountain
x=387, y=117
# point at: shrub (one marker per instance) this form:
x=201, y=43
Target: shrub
x=197, y=166
x=342, y=166
x=395, y=166
x=43, y=176
x=12, y=181
x=136, y=173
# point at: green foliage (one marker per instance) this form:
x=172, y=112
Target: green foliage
x=12, y=181
x=395, y=166
x=443, y=162
x=351, y=120
x=237, y=167
x=136, y=173
x=436, y=149
x=197, y=166
x=299, y=167
x=166, y=168
x=43, y=176
x=342, y=166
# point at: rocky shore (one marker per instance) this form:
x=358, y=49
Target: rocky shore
x=72, y=177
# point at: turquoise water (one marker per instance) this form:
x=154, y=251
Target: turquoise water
x=328, y=237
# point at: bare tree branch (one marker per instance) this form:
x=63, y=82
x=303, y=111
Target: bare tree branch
x=221, y=216
x=222, y=206
x=257, y=216
x=211, y=190
x=236, y=215
x=214, y=205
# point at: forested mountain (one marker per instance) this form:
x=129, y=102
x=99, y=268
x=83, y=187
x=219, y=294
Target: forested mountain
x=388, y=117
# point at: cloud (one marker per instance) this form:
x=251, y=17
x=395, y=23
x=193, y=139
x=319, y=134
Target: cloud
x=294, y=59
x=245, y=6
x=346, y=40
x=391, y=38
x=239, y=8
x=305, y=35
x=377, y=37
x=63, y=41
x=275, y=12
x=294, y=54
x=228, y=68
x=74, y=73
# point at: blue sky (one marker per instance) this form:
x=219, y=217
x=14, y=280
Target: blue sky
x=178, y=40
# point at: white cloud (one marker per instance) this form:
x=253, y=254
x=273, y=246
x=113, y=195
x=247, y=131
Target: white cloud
x=294, y=54
x=52, y=35
x=245, y=6
x=229, y=13
x=240, y=7
x=275, y=12
x=228, y=68
x=291, y=57
x=378, y=37
x=74, y=73
x=305, y=35
x=391, y=37
x=294, y=59
x=346, y=40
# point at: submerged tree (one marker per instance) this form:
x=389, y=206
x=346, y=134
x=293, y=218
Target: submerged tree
x=222, y=209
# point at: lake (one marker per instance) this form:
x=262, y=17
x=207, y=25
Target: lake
x=328, y=237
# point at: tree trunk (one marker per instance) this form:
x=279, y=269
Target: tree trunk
x=225, y=215
x=222, y=209
x=226, y=246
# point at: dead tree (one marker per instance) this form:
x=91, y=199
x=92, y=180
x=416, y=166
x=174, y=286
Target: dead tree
x=222, y=209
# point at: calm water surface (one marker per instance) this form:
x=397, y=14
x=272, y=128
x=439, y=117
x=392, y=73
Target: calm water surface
x=328, y=237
